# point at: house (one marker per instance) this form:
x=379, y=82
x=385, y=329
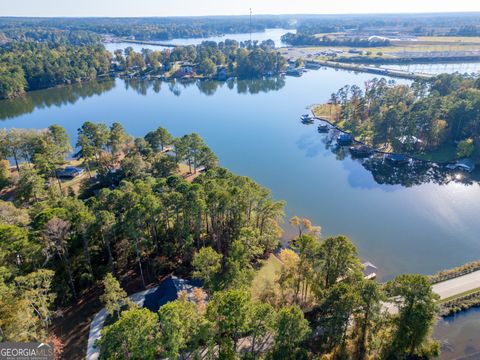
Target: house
x=169, y=290
x=187, y=68
x=170, y=152
x=70, y=172
x=410, y=140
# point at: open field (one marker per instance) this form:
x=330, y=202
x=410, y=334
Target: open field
x=265, y=275
x=438, y=46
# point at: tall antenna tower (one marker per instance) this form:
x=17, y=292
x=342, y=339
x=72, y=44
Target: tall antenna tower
x=250, y=26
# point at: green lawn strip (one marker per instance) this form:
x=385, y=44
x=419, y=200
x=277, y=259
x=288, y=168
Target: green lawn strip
x=445, y=153
x=267, y=273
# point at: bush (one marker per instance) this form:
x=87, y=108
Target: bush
x=465, y=148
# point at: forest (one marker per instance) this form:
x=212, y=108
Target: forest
x=163, y=28
x=158, y=204
x=157, y=28
x=32, y=65
x=441, y=115
x=244, y=60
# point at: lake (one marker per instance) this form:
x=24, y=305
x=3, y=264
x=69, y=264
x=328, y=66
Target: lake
x=403, y=220
x=274, y=34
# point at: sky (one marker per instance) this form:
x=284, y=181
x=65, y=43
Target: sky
x=131, y=8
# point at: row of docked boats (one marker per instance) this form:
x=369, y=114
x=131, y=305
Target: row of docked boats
x=358, y=150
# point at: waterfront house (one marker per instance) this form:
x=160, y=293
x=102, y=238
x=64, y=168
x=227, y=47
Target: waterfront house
x=70, y=172
x=410, y=141
x=187, y=68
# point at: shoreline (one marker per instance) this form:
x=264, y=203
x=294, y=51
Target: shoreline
x=375, y=150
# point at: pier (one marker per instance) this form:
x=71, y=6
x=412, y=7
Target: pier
x=141, y=42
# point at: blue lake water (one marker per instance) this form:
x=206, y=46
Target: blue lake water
x=269, y=34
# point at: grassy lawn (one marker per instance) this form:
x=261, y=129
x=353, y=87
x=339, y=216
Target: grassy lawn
x=184, y=171
x=327, y=111
x=445, y=153
x=266, y=274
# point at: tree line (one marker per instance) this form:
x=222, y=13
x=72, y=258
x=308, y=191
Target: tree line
x=158, y=28
x=245, y=60
x=33, y=65
x=419, y=118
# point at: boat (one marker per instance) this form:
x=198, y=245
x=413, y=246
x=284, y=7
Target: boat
x=397, y=159
x=323, y=128
x=294, y=72
x=361, y=151
x=307, y=119
x=344, y=139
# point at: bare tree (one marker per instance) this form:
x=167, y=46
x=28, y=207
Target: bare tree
x=56, y=233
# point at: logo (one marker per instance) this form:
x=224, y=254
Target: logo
x=26, y=351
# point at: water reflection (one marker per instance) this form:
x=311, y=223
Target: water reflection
x=206, y=87
x=459, y=335
x=386, y=175
x=61, y=96
x=58, y=96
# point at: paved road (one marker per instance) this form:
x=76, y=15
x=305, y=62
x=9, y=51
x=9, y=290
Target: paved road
x=458, y=285
x=446, y=289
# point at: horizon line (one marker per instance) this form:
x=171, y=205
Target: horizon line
x=237, y=15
